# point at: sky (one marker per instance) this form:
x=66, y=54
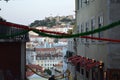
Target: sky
x=27, y=11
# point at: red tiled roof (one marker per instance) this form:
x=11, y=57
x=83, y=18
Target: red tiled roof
x=45, y=49
x=49, y=55
x=72, y=57
x=84, y=62
x=29, y=73
x=63, y=40
x=35, y=67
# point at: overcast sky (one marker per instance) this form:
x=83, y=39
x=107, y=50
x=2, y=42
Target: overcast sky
x=26, y=11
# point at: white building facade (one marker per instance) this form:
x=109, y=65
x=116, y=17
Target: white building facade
x=48, y=57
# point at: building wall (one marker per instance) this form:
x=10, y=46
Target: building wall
x=70, y=45
x=88, y=15
x=47, y=63
x=113, y=54
x=48, y=57
x=23, y=60
x=93, y=9
x=95, y=50
x=12, y=60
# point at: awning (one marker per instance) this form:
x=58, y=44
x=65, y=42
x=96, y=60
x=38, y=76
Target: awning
x=73, y=57
x=83, y=62
x=92, y=64
x=79, y=60
x=75, y=60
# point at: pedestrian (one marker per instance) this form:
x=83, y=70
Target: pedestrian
x=52, y=78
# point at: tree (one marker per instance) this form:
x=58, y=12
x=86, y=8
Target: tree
x=46, y=22
x=51, y=22
x=72, y=22
x=5, y=0
x=66, y=20
x=1, y=19
x=56, y=40
x=48, y=71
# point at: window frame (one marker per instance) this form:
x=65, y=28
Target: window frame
x=100, y=24
x=93, y=24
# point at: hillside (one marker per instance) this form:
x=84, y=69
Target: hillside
x=52, y=21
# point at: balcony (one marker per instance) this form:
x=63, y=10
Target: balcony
x=9, y=33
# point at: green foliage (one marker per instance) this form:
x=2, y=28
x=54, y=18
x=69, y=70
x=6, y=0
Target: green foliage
x=56, y=40
x=72, y=22
x=48, y=71
x=1, y=19
x=51, y=22
x=66, y=20
x=47, y=22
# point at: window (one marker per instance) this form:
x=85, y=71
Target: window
x=78, y=30
x=93, y=27
x=77, y=4
x=100, y=24
x=87, y=25
x=81, y=3
x=95, y=74
x=38, y=58
x=82, y=71
x=87, y=74
x=115, y=1
x=32, y=57
x=82, y=30
x=78, y=67
x=86, y=1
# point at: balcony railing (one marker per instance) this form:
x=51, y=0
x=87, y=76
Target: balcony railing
x=11, y=33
